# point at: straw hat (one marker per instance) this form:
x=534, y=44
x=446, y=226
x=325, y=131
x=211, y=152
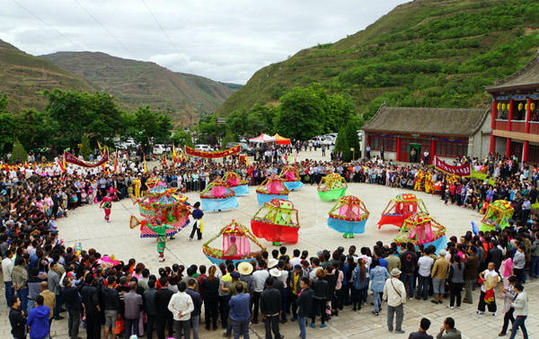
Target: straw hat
x=245, y=268
x=272, y=263
x=274, y=272
x=395, y=272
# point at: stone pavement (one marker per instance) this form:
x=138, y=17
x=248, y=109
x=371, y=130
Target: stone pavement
x=87, y=225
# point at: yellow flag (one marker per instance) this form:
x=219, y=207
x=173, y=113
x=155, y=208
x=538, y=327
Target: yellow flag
x=173, y=153
x=145, y=168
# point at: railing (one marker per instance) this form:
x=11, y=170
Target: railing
x=518, y=126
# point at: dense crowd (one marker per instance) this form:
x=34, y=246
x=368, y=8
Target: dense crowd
x=43, y=278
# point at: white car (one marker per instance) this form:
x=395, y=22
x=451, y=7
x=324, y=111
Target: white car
x=203, y=148
x=159, y=149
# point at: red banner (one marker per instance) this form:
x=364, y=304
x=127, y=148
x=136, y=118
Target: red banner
x=215, y=154
x=461, y=171
x=72, y=159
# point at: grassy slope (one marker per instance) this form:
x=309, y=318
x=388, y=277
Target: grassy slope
x=22, y=75
x=424, y=53
x=183, y=96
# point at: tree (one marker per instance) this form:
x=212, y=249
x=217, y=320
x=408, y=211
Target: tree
x=79, y=113
x=85, y=149
x=301, y=115
x=182, y=138
x=18, y=154
x=348, y=140
x=147, y=127
x=36, y=130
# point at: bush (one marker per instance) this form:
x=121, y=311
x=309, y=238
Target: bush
x=18, y=154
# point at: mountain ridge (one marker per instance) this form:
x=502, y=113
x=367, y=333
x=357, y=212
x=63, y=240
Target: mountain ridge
x=182, y=95
x=423, y=53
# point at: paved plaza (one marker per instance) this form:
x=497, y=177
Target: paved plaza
x=87, y=225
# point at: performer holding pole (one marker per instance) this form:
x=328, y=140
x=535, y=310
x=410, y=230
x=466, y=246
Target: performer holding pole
x=197, y=225
x=161, y=230
x=106, y=204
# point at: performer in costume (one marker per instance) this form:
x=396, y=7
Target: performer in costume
x=197, y=225
x=137, y=187
x=106, y=204
x=161, y=230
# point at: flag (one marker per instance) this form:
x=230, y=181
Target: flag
x=173, y=154
x=145, y=168
x=64, y=163
x=116, y=161
x=99, y=146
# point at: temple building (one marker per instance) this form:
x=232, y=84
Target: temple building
x=515, y=118
x=406, y=133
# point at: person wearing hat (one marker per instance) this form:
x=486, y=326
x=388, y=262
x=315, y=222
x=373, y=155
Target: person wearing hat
x=395, y=295
x=439, y=273
x=245, y=269
x=270, y=306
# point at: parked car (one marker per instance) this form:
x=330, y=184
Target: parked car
x=159, y=149
x=245, y=148
x=203, y=147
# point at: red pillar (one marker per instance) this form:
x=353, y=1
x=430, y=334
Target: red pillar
x=528, y=115
x=398, y=156
x=508, y=148
x=493, y=117
x=525, y=152
x=511, y=104
x=432, y=150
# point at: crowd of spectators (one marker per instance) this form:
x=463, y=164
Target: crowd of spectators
x=44, y=279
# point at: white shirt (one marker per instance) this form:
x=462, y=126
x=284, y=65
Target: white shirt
x=259, y=279
x=394, y=292
x=181, y=302
x=312, y=275
x=486, y=273
x=425, y=264
x=7, y=267
x=295, y=261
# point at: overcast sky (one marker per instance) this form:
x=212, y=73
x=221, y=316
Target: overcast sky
x=226, y=40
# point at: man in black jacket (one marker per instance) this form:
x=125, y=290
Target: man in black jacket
x=90, y=299
x=73, y=302
x=197, y=302
x=305, y=306
x=270, y=307
x=149, y=307
x=111, y=306
x=164, y=317
x=17, y=319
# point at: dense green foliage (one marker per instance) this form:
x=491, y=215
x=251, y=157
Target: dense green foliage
x=303, y=113
x=76, y=121
x=347, y=142
x=18, y=154
x=182, y=138
x=424, y=53
x=85, y=149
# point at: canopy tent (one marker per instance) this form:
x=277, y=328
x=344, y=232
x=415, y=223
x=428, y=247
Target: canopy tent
x=281, y=140
x=262, y=139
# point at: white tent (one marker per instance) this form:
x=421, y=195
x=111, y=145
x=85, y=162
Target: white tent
x=262, y=139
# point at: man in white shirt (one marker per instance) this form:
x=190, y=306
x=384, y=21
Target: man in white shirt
x=490, y=280
x=259, y=279
x=296, y=259
x=315, y=263
x=395, y=295
x=425, y=264
x=181, y=305
x=7, y=267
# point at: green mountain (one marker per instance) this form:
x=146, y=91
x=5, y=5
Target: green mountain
x=184, y=97
x=22, y=75
x=437, y=53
